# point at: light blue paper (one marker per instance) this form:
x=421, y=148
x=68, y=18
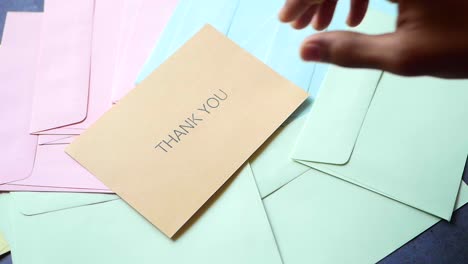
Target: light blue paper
x=159, y=53
x=189, y=17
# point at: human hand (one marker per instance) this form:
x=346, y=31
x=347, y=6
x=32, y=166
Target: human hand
x=431, y=37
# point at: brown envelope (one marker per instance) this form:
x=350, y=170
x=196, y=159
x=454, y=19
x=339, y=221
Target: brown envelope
x=171, y=143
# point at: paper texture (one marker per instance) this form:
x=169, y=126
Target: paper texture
x=18, y=54
x=53, y=169
x=112, y=232
x=148, y=24
x=411, y=148
x=63, y=75
x=188, y=18
x=318, y=218
x=211, y=97
x=272, y=164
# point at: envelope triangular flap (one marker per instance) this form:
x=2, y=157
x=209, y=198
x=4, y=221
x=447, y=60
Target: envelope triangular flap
x=339, y=111
x=18, y=52
x=48, y=202
x=62, y=80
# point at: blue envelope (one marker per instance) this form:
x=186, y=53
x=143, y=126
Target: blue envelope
x=55, y=228
x=188, y=18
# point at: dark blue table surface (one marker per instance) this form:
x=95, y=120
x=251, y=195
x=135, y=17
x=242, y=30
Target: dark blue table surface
x=443, y=243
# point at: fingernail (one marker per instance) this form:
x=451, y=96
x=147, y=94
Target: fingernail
x=311, y=52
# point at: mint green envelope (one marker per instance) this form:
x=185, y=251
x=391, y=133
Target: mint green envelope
x=318, y=218
x=407, y=139
x=272, y=165
x=233, y=228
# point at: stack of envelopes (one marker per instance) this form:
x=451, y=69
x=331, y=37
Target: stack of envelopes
x=367, y=163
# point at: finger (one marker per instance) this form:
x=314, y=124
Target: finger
x=324, y=15
x=355, y=50
x=305, y=19
x=293, y=9
x=357, y=12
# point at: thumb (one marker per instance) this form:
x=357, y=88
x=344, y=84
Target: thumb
x=350, y=49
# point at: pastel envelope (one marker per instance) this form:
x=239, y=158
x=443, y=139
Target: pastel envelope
x=18, y=53
x=148, y=24
x=188, y=18
x=51, y=169
x=63, y=75
x=318, y=218
x=55, y=171
x=107, y=30
x=315, y=215
x=232, y=229
x=256, y=28
x=272, y=165
x=401, y=137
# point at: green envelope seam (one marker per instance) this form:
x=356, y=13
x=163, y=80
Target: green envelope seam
x=265, y=213
x=286, y=183
x=310, y=116
x=365, y=186
x=70, y=207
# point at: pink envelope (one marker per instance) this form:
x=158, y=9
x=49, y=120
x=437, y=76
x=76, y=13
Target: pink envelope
x=53, y=169
x=54, y=139
x=18, y=54
x=153, y=15
x=63, y=72
x=129, y=15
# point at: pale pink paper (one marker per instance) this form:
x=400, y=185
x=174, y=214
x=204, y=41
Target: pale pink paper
x=129, y=14
x=23, y=188
x=63, y=72
x=106, y=33
x=55, y=139
x=152, y=18
x=18, y=54
x=54, y=168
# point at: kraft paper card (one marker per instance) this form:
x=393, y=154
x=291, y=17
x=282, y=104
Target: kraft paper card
x=169, y=145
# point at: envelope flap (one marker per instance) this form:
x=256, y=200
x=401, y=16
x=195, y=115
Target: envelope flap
x=341, y=106
x=51, y=202
x=55, y=139
x=272, y=165
x=62, y=80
